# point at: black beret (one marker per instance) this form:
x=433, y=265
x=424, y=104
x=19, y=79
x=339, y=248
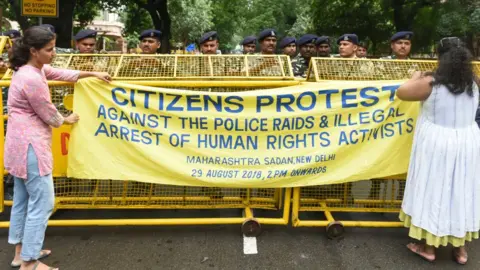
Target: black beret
x=362, y=44
x=348, y=37
x=87, y=33
x=13, y=34
x=267, y=33
x=49, y=27
x=212, y=35
x=151, y=33
x=402, y=35
x=322, y=40
x=287, y=41
x=249, y=40
x=308, y=38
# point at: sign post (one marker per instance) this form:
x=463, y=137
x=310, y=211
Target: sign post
x=39, y=8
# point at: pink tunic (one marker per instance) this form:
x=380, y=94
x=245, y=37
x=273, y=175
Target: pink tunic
x=31, y=115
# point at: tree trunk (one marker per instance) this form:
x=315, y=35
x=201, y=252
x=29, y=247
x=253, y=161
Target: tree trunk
x=64, y=23
x=20, y=19
x=166, y=24
x=158, y=10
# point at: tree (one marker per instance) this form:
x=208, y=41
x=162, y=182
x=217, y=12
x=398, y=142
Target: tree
x=460, y=18
x=334, y=18
x=192, y=19
x=228, y=21
x=135, y=20
x=158, y=10
x=259, y=15
x=82, y=10
x=405, y=11
x=304, y=22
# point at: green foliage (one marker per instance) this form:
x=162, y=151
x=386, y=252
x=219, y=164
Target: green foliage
x=474, y=21
x=85, y=11
x=366, y=18
x=190, y=19
x=135, y=20
x=259, y=15
x=227, y=20
x=374, y=21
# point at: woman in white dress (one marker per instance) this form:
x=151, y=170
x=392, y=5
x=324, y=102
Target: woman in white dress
x=441, y=204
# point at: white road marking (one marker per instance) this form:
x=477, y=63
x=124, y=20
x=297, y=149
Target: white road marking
x=249, y=245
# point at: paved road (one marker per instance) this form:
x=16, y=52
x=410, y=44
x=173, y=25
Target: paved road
x=221, y=247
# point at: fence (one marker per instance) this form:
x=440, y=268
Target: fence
x=225, y=73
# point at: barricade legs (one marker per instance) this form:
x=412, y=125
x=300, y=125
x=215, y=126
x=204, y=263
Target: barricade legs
x=370, y=196
x=109, y=194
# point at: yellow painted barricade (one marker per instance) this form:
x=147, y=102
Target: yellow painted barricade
x=367, y=196
x=216, y=74
x=227, y=73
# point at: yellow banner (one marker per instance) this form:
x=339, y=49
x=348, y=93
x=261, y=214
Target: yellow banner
x=310, y=134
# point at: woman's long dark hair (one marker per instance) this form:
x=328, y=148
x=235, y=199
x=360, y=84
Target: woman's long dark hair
x=34, y=37
x=455, y=69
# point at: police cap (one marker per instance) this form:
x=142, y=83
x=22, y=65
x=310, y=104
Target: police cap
x=249, y=40
x=287, y=41
x=323, y=40
x=151, y=33
x=86, y=33
x=402, y=35
x=308, y=38
x=267, y=33
x=13, y=34
x=49, y=27
x=348, y=37
x=209, y=36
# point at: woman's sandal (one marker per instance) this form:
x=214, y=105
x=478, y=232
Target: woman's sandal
x=38, y=263
x=43, y=255
x=456, y=257
x=419, y=249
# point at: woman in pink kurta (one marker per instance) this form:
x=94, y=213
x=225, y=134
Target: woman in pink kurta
x=28, y=153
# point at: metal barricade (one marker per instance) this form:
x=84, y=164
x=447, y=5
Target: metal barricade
x=368, y=196
x=249, y=72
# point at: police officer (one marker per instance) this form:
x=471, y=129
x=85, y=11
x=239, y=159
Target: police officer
x=150, y=41
x=249, y=44
x=362, y=50
x=268, y=41
x=289, y=46
x=86, y=41
x=13, y=34
x=58, y=49
x=49, y=26
x=150, y=66
x=308, y=49
x=209, y=43
x=323, y=46
x=401, y=44
x=348, y=45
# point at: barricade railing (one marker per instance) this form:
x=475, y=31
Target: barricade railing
x=111, y=194
x=179, y=67
x=369, y=196
x=359, y=69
